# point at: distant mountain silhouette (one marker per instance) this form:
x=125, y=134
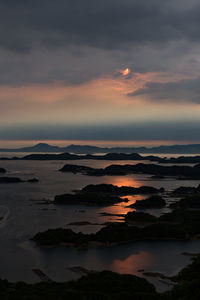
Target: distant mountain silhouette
x=88, y=149
x=41, y=147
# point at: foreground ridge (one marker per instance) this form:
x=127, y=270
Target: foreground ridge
x=107, y=285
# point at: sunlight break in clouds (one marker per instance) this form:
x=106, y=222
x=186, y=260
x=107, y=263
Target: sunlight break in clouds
x=125, y=72
x=105, y=99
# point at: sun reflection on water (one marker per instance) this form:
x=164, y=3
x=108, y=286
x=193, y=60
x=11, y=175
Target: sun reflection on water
x=131, y=264
x=122, y=207
x=125, y=181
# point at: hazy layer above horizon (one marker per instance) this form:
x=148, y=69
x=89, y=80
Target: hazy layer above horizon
x=12, y=144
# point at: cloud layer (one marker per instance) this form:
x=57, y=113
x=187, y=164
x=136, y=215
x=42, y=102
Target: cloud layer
x=60, y=61
x=110, y=24
x=76, y=41
x=182, y=90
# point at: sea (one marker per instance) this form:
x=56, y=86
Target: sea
x=23, y=214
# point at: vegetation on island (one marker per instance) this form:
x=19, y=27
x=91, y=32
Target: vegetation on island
x=73, y=152
x=139, y=217
x=188, y=287
x=16, y=180
x=187, y=172
x=179, y=224
x=154, y=201
x=95, y=286
x=103, y=194
x=107, y=285
x=190, y=201
x=186, y=190
x=87, y=199
x=122, y=190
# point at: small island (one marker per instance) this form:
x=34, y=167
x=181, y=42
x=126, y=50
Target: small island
x=183, y=172
x=155, y=201
x=103, y=194
x=179, y=224
x=2, y=170
x=189, y=202
x=109, y=155
x=122, y=190
x=91, y=199
x=186, y=190
x=16, y=180
x=139, y=217
x=10, y=180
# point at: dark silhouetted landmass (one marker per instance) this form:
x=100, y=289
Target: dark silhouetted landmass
x=108, y=156
x=41, y=147
x=192, y=201
x=122, y=190
x=139, y=217
x=155, y=201
x=103, y=194
x=182, y=172
x=187, y=190
x=83, y=223
x=188, y=220
x=10, y=180
x=88, y=149
x=69, y=156
x=16, y=180
x=2, y=170
x=113, y=157
x=94, y=286
x=77, y=169
x=115, y=233
x=180, y=224
x=108, y=285
x=87, y=199
x=189, y=283
x=33, y=180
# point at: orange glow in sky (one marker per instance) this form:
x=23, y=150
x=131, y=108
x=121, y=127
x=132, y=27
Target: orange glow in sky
x=103, y=100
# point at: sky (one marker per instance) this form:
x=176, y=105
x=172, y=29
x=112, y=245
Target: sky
x=102, y=70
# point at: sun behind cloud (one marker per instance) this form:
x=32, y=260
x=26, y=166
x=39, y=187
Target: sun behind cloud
x=125, y=72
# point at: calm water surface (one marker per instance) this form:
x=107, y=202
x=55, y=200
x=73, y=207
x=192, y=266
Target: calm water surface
x=23, y=217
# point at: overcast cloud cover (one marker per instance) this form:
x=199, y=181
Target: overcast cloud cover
x=106, y=24
x=74, y=42
x=148, y=35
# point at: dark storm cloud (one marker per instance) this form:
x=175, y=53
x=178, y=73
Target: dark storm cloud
x=183, y=90
x=110, y=24
x=74, y=41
